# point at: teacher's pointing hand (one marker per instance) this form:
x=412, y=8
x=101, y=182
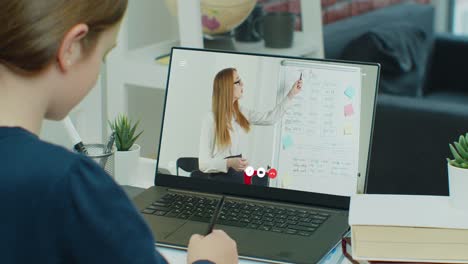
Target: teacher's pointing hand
x=296, y=88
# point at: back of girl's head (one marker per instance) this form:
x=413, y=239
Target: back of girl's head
x=31, y=31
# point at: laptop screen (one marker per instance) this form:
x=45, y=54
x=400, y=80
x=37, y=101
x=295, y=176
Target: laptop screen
x=269, y=121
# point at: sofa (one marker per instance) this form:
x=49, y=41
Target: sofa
x=412, y=127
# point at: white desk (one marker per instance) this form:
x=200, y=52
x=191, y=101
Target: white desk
x=180, y=256
x=145, y=179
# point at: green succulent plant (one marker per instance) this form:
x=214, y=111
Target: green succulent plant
x=124, y=132
x=460, y=152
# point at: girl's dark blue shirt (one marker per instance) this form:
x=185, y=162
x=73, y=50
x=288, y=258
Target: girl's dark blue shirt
x=60, y=207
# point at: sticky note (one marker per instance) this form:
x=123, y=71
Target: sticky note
x=350, y=92
x=348, y=110
x=287, y=142
x=348, y=129
x=286, y=180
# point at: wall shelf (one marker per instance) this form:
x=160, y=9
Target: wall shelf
x=301, y=47
x=144, y=70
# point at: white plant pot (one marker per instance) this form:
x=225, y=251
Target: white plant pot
x=458, y=187
x=126, y=165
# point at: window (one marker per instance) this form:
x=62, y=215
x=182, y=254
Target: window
x=460, y=17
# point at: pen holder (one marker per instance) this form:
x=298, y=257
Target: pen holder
x=105, y=160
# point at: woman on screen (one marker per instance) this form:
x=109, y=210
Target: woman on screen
x=220, y=152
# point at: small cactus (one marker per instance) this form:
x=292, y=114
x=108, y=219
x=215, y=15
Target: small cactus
x=459, y=151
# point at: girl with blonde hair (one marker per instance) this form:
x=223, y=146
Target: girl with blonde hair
x=58, y=206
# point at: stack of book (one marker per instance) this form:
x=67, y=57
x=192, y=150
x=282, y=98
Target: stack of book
x=408, y=228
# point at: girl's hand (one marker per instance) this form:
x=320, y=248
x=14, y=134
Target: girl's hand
x=216, y=247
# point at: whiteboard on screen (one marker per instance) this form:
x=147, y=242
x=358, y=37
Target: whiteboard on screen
x=318, y=141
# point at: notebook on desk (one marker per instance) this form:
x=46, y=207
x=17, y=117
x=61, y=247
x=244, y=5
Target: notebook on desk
x=306, y=149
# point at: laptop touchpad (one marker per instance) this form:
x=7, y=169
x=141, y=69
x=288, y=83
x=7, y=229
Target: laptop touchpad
x=182, y=235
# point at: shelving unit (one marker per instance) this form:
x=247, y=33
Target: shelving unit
x=145, y=71
x=148, y=31
x=300, y=47
x=131, y=72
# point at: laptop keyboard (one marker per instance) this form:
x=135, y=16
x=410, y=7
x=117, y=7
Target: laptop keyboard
x=241, y=214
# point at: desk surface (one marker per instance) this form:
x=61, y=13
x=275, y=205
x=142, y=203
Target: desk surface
x=180, y=256
x=145, y=179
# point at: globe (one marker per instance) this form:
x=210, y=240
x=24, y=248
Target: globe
x=220, y=16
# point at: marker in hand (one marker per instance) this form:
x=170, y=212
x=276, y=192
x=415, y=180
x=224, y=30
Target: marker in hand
x=297, y=86
x=299, y=83
x=215, y=216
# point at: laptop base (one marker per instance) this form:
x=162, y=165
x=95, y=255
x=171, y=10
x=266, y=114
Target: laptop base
x=252, y=243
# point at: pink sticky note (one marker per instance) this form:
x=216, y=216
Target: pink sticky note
x=348, y=110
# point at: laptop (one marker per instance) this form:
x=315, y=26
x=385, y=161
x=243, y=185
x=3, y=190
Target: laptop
x=307, y=152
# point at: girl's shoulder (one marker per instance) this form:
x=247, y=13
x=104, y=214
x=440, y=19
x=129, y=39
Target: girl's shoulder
x=38, y=162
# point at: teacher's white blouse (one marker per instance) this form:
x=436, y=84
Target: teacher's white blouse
x=211, y=159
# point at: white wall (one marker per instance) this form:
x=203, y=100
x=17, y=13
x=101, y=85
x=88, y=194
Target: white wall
x=189, y=101
x=146, y=105
x=149, y=22
x=87, y=118
x=264, y=136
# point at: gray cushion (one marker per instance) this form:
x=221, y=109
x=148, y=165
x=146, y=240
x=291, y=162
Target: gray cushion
x=401, y=48
x=337, y=35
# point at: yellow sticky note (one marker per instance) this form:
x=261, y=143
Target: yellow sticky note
x=286, y=180
x=348, y=129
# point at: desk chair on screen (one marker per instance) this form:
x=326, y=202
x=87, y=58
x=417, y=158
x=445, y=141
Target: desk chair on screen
x=188, y=164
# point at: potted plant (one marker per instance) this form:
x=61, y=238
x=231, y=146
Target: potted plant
x=458, y=173
x=128, y=153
